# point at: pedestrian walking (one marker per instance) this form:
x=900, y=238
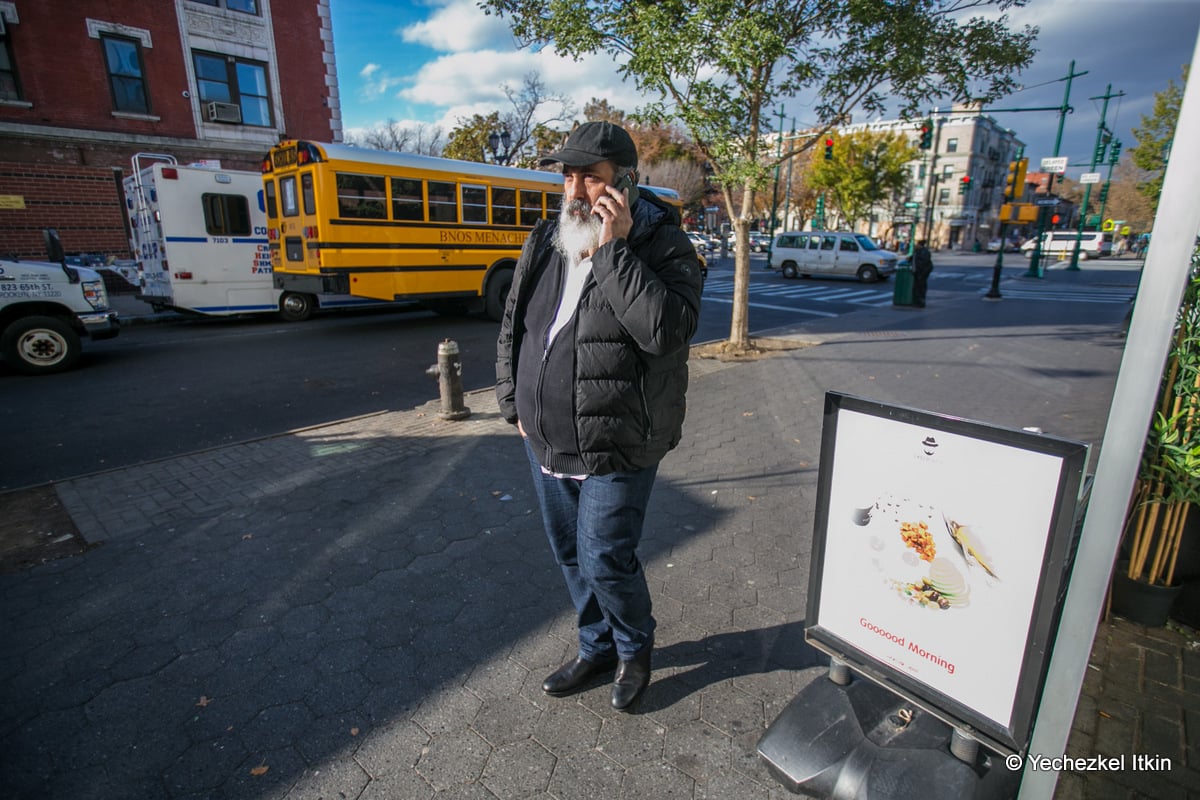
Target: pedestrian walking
x=591, y=366
x=922, y=266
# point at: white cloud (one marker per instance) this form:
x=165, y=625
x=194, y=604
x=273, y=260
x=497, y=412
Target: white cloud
x=471, y=83
x=459, y=26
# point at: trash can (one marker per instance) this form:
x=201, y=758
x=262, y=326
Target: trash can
x=902, y=294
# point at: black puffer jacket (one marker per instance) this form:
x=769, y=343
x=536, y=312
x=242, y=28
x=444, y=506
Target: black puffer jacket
x=629, y=338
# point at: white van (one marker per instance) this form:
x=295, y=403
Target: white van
x=46, y=308
x=199, y=234
x=831, y=253
x=1092, y=244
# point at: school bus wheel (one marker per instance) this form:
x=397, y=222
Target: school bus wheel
x=497, y=292
x=296, y=306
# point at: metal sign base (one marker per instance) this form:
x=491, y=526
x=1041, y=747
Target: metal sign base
x=861, y=741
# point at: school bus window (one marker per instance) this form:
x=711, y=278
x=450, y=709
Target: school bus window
x=504, y=206
x=272, y=206
x=474, y=200
x=361, y=196
x=531, y=207
x=306, y=191
x=287, y=192
x=226, y=214
x=443, y=202
x=407, y=202
x=553, y=204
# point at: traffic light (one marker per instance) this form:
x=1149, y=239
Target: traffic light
x=964, y=184
x=926, y=134
x=1014, y=184
x=1115, y=154
x=1104, y=193
x=829, y=149
x=1100, y=148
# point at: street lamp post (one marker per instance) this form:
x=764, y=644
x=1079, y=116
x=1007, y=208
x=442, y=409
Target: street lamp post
x=498, y=142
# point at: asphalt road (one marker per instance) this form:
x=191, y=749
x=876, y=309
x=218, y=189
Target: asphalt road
x=160, y=390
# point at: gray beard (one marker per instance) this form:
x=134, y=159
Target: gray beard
x=576, y=235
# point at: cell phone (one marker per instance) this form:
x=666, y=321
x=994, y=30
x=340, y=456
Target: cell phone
x=626, y=182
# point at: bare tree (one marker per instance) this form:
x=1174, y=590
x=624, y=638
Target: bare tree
x=422, y=138
x=512, y=137
x=683, y=175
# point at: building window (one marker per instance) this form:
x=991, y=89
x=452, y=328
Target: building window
x=123, y=58
x=10, y=89
x=244, y=6
x=239, y=82
x=947, y=170
x=952, y=145
x=944, y=197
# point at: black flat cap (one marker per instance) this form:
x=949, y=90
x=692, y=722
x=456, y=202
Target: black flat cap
x=592, y=142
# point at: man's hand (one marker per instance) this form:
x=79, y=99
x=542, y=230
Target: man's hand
x=613, y=210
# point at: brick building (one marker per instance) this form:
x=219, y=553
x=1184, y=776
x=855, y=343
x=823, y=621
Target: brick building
x=86, y=84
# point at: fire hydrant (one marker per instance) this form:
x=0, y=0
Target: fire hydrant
x=448, y=371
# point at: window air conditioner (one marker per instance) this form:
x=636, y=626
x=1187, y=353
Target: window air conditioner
x=224, y=112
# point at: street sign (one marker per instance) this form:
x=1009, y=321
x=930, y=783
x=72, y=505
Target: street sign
x=1047, y=201
x=912, y=204
x=1056, y=165
x=1089, y=177
x=903, y=219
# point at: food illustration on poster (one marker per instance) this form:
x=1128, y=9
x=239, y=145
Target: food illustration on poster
x=933, y=555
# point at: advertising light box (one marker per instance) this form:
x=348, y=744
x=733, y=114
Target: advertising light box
x=940, y=557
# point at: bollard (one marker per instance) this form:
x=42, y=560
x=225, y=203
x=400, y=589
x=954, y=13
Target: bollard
x=448, y=371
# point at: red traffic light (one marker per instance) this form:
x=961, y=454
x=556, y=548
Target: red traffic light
x=966, y=179
x=1054, y=220
x=829, y=142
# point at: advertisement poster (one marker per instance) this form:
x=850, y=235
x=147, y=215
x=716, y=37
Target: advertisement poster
x=934, y=551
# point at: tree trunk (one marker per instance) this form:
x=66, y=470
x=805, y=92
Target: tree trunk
x=739, y=322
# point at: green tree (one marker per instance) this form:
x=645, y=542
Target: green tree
x=720, y=66
x=866, y=170
x=1154, y=137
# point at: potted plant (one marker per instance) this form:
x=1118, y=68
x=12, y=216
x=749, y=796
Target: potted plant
x=1168, y=486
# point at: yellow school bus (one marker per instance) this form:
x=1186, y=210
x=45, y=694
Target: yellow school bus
x=398, y=226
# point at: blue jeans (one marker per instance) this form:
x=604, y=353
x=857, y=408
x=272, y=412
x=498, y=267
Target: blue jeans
x=594, y=527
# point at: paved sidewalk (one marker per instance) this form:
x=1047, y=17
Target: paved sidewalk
x=366, y=609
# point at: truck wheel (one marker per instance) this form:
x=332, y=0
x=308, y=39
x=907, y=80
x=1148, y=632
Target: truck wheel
x=789, y=269
x=296, y=307
x=497, y=293
x=40, y=345
x=868, y=273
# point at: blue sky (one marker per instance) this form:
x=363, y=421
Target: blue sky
x=436, y=61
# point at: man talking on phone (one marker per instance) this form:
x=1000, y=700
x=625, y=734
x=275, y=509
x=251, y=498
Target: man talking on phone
x=591, y=367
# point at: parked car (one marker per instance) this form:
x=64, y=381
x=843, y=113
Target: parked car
x=831, y=253
x=698, y=241
x=759, y=242
x=1009, y=246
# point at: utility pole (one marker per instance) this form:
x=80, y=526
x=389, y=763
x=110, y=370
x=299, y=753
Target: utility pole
x=775, y=191
x=931, y=185
x=1102, y=139
x=787, y=192
x=1035, y=263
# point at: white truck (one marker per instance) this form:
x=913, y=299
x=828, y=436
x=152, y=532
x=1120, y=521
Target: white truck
x=45, y=309
x=199, y=236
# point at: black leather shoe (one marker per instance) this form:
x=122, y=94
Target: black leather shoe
x=574, y=674
x=633, y=677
